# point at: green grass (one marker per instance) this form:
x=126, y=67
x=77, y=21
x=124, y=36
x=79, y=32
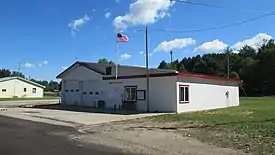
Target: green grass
x=249, y=127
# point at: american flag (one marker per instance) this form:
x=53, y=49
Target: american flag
x=122, y=38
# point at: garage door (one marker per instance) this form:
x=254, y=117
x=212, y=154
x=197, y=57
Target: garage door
x=72, y=93
x=93, y=91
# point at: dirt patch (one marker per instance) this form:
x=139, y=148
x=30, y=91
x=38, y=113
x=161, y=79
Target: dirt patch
x=149, y=138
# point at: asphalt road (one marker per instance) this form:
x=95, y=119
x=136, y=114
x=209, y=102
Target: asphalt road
x=11, y=103
x=20, y=137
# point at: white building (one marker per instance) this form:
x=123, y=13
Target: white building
x=85, y=84
x=18, y=87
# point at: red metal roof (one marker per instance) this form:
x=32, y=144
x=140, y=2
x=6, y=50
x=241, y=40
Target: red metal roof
x=209, y=77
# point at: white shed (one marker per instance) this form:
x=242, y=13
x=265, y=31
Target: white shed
x=85, y=84
x=18, y=87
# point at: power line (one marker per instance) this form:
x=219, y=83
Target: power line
x=216, y=27
x=217, y=6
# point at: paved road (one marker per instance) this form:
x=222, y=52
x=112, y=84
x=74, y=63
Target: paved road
x=5, y=104
x=20, y=137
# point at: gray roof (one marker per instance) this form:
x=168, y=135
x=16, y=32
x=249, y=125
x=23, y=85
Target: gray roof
x=92, y=66
x=22, y=79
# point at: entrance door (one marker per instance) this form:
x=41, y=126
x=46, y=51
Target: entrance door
x=115, y=95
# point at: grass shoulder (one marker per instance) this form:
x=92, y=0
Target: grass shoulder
x=249, y=127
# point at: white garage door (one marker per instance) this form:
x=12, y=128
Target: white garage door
x=72, y=92
x=93, y=91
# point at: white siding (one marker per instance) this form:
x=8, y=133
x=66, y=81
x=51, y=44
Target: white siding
x=162, y=93
x=206, y=96
x=15, y=88
x=82, y=73
x=72, y=82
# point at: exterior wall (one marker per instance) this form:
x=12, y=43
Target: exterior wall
x=75, y=80
x=15, y=88
x=162, y=93
x=82, y=73
x=208, y=96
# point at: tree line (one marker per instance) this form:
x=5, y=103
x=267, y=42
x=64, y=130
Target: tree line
x=51, y=86
x=255, y=67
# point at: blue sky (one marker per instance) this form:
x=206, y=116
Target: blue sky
x=44, y=37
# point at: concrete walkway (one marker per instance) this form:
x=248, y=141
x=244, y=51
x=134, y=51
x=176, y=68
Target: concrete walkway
x=68, y=118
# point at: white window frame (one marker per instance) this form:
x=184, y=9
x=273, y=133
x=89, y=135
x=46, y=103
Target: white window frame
x=130, y=88
x=186, y=99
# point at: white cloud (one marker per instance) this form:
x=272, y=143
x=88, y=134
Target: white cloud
x=178, y=43
x=74, y=25
x=27, y=65
x=94, y=10
x=125, y=56
x=107, y=14
x=45, y=62
x=143, y=12
x=141, y=52
x=213, y=46
x=255, y=42
x=117, y=1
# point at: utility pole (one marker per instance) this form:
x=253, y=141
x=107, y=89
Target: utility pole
x=228, y=67
x=147, y=70
x=171, y=54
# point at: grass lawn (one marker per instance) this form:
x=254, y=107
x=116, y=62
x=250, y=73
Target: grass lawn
x=20, y=99
x=249, y=127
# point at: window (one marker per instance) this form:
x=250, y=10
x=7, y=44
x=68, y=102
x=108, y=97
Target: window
x=76, y=90
x=97, y=93
x=72, y=90
x=4, y=90
x=184, y=93
x=91, y=93
x=130, y=93
x=141, y=94
x=25, y=89
x=33, y=90
x=108, y=70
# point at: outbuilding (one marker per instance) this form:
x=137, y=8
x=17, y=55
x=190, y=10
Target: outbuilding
x=17, y=87
x=93, y=84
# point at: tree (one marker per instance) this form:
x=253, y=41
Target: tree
x=5, y=73
x=105, y=61
x=18, y=74
x=163, y=65
x=255, y=67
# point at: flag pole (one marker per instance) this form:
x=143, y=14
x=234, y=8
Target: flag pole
x=116, y=57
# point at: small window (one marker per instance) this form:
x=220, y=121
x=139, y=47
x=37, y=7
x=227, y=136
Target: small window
x=4, y=90
x=77, y=90
x=130, y=93
x=67, y=90
x=97, y=93
x=91, y=93
x=84, y=93
x=184, y=94
x=33, y=90
x=25, y=89
x=72, y=90
x=108, y=70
